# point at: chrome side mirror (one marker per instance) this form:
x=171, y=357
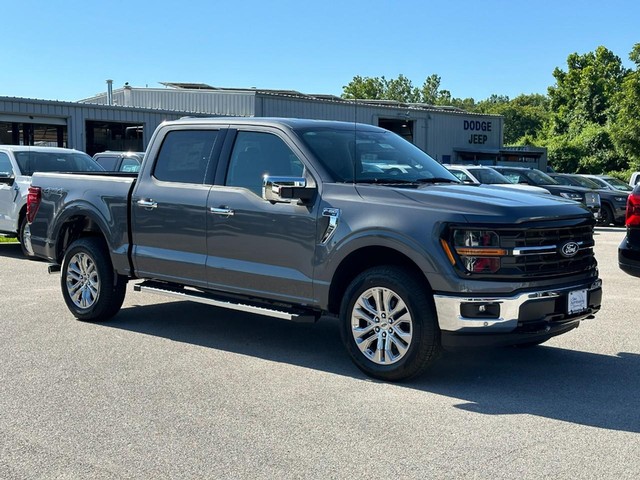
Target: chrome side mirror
x=286, y=189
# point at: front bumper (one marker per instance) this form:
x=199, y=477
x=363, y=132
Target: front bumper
x=521, y=318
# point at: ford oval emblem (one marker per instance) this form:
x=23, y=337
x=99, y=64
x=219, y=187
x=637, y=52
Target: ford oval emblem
x=569, y=249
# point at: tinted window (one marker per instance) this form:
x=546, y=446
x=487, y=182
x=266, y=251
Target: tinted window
x=256, y=154
x=32, y=161
x=185, y=156
x=108, y=162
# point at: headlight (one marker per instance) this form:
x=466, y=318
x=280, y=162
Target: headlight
x=571, y=195
x=478, y=250
x=620, y=199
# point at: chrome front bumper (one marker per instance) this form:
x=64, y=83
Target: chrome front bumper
x=450, y=318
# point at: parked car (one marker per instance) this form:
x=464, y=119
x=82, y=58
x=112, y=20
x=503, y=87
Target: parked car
x=629, y=249
x=481, y=175
x=635, y=178
x=613, y=204
x=17, y=164
x=128, y=162
x=282, y=217
x=531, y=176
x=610, y=183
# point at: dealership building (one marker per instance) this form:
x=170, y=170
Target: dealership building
x=125, y=118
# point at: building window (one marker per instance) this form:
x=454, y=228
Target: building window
x=38, y=134
x=120, y=137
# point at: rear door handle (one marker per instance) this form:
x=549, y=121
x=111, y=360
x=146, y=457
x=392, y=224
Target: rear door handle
x=223, y=211
x=147, y=204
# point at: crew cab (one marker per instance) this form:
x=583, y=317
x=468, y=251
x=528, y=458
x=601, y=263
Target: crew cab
x=17, y=164
x=301, y=219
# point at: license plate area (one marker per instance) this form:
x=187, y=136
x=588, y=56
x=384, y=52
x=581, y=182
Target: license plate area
x=577, y=301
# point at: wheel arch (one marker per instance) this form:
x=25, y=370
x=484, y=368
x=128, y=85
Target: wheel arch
x=74, y=227
x=362, y=259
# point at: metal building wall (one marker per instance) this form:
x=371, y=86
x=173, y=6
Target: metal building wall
x=75, y=115
x=197, y=102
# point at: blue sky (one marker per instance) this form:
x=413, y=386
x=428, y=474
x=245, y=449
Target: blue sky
x=65, y=50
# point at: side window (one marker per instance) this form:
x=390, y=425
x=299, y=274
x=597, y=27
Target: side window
x=256, y=154
x=5, y=165
x=185, y=156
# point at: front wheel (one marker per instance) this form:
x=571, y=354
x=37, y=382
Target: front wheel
x=90, y=287
x=606, y=215
x=388, y=323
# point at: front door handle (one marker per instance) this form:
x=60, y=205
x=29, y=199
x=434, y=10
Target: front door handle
x=147, y=204
x=223, y=211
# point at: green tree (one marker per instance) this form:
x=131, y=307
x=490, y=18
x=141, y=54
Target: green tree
x=586, y=92
x=365, y=87
x=626, y=129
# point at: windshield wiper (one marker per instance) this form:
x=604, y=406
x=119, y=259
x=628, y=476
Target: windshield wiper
x=435, y=180
x=387, y=181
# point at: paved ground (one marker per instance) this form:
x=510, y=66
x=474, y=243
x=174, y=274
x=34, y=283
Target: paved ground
x=177, y=390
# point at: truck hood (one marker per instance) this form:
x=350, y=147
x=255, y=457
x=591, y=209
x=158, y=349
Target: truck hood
x=476, y=203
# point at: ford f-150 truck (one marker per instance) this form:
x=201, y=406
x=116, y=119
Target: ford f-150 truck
x=17, y=164
x=299, y=219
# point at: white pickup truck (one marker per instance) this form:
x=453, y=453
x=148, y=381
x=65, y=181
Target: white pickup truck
x=17, y=164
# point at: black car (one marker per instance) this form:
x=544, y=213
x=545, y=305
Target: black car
x=613, y=205
x=531, y=176
x=629, y=249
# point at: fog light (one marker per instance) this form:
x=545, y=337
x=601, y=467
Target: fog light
x=480, y=310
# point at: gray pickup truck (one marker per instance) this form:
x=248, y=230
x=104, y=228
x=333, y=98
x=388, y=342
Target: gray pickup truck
x=299, y=219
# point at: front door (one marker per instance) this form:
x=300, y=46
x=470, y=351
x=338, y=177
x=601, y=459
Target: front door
x=8, y=194
x=256, y=247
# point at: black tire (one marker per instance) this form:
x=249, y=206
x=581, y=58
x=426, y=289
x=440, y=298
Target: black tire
x=606, y=215
x=418, y=324
x=24, y=236
x=90, y=287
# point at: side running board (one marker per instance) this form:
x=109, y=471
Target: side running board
x=201, y=297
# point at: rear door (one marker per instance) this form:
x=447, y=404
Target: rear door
x=256, y=247
x=169, y=206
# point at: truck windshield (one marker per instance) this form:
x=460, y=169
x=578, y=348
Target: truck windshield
x=372, y=156
x=30, y=162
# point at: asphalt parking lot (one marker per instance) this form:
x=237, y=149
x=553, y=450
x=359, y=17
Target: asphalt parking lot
x=171, y=389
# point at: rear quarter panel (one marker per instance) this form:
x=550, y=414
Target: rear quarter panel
x=101, y=201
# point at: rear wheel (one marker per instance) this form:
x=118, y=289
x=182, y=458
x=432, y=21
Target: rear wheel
x=90, y=287
x=388, y=324
x=24, y=235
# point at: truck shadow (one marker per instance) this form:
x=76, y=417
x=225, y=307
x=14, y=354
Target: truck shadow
x=577, y=387
x=11, y=250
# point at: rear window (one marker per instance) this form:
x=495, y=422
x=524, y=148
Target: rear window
x=30, y=162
